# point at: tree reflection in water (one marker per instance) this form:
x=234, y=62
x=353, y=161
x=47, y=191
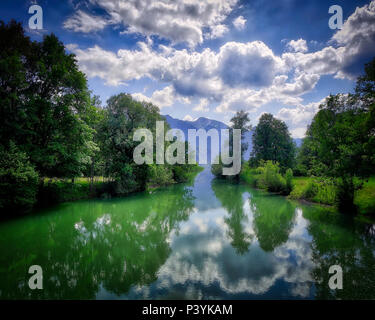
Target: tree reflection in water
x=232, y=200
x=226, y=241
x=341, y=240
x=85, y=246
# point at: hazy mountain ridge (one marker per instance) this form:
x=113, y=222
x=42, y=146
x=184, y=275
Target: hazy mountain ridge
x=207, y=124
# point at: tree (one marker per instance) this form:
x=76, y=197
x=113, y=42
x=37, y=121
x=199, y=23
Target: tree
x=272, y=141
x=365, y=87
x=339, y=135
x=307, y=160
x=95, y=117
x=18, y=180
x=239, y=121
x=365, y=94
x=340, y=141
x=125, y=115
x=44, y=97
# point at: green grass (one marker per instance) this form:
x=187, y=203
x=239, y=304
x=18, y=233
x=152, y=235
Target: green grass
x=365, y=198
x=61, y=190
x=56, y=190
x=320, y=190
x=313, y=189
x=299, y=185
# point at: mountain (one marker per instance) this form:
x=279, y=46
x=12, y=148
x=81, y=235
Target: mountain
x=200, y=123
x=207, y=124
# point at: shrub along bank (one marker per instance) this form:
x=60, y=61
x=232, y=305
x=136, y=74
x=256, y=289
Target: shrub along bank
x=313, y=189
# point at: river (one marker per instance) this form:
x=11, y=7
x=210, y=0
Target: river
x=207, y=240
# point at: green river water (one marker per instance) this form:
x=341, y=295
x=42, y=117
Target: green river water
x=207, y=240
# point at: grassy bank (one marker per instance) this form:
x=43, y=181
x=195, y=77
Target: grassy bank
x=313, y=189
x=365, y=198
x=54, y=190
x=318, y=190
x=62, y=190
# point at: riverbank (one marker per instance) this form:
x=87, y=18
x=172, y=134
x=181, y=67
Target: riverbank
x=320, y=191
x=238, y=243
x=53, y=190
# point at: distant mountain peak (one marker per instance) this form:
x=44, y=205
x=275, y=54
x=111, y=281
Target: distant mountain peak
x=200, y=123
x=207, y=124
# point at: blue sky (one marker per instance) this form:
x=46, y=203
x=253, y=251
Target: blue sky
x=210, y=58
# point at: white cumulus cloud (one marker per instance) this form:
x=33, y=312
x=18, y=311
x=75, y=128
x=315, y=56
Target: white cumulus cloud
x=181, y=21
x=239, y=23
x=299, y=45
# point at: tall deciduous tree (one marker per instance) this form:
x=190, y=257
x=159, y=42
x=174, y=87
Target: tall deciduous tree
x=44, y=96
x=272, y=141
x=239, y=121
x=125, y=115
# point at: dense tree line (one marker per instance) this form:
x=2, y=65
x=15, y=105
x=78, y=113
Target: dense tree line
x=52, y=126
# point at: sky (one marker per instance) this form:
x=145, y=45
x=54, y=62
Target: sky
x=196, y=58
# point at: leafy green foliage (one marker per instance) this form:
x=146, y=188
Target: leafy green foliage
x=124, y=116
x=271, y=179
x=61, y=130
x=316, y=189
x=340, y=141
x=44, y=96
x=365, y=197
x=239, y=121
x=159, y=175
x=18, y=180
x=54, y=191
x=288, y=181
x=272, y=141
x=267, y=176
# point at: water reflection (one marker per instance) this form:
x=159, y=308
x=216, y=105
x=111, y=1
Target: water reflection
x=273, y=220
x=213, y=241
x=342, y=241
x=84, y=246
x=232, y=200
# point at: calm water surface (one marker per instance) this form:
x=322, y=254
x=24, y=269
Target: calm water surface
x=209, y=240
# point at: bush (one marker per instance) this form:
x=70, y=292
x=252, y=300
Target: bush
x=267, y=176
x=272, y=179
x=159, y=175
x=181, y=173
x=185, y=172
x=18, y=180
x=365, y=197
x=129, y=179
x=248, y=175
x=310, y=190
x=217, y=169
x=320, y=190
x=288, y=181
